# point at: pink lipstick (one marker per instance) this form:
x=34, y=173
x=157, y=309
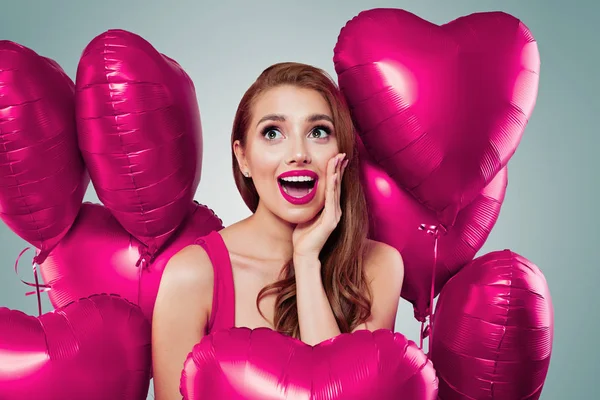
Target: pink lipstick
x=298, y=186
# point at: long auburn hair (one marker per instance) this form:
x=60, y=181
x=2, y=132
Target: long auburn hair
x=342, y=271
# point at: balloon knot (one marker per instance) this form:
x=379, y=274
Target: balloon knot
x=434, y=230
x=426, y=331
x=40, y=258
x=419, y=316
x=147, y=257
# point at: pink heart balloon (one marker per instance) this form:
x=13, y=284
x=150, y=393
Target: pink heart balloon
x=240, y=363
x=395, y=217
x=42, y=175
x=140, y=134
x=441, y=108
x=99, y=256
x=95, y=349
x=493, y=330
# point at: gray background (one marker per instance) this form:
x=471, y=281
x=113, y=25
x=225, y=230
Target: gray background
x=550, y=211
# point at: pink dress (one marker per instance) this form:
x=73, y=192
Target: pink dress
x=222, y=315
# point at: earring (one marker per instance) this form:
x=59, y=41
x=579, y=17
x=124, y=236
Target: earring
x=247, y=174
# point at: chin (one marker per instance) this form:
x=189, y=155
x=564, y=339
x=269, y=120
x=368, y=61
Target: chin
x=299, y=215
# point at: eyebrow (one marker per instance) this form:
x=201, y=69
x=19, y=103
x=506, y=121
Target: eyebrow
x=281, y=118
x=271, y=117
x=319, y=117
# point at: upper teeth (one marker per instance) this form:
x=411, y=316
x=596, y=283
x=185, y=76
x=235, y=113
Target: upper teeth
x=297, y=178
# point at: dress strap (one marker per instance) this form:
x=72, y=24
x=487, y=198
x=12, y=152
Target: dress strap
x=222, y=315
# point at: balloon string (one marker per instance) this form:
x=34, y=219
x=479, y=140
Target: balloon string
x=427, y=330
x=142, y=264
x=422, y=335
x=141, y=268
x=39, y=288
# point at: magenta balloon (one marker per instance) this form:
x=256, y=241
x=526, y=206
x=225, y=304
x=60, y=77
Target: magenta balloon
x=493, y=330
x=240, y=363
x=395, y=217
x=42, y=175
x=95, y=349
x=139, y=133
x=441, y=108
x=99, y=256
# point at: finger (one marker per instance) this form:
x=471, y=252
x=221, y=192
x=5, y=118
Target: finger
x=331, y=185
x=338, y=169
x=338, y=190
x=342, y=167
x=330, y=197
x=332, y=169
x=332, y=166
x=340, y=162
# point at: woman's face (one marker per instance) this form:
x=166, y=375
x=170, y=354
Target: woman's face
x=290, y=140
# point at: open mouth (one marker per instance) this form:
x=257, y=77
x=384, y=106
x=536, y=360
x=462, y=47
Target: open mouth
x=297, y=186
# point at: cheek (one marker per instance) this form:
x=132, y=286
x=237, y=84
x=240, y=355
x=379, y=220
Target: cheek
x=264, y=161
x=323, y=154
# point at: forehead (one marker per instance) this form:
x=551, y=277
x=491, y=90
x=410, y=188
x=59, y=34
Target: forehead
x=291, y=102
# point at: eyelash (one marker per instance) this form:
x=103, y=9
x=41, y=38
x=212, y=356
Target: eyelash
x=324, y=128
x=270, y=128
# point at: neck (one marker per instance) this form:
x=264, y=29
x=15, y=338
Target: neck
x=272, y=233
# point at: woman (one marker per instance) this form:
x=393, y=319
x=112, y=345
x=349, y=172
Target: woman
x=301, y=264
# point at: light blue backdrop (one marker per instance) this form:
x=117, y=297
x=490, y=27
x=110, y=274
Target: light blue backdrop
x=550, y=212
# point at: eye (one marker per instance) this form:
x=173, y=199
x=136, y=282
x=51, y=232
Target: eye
x=271, y=132
x=320, y=132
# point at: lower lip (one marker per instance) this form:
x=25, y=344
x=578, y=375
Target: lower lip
x=299, y=200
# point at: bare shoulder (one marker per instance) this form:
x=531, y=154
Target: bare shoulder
x=189, y=268
x=384, y=270
x=383, y=261
x=186, y=284
x=180, y=315
x=234, y=233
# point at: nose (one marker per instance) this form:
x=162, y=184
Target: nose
x=298, y=153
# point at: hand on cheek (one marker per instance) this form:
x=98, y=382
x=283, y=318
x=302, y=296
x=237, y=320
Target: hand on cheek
x=310, y=237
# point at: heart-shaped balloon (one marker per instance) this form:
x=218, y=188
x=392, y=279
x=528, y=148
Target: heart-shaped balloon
x=441, y=108
x=493, y=330
x=99, y=256
x=140, y=134
x=42, y=175
x=94, y=349
x=395, y=218
x=240, y=363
